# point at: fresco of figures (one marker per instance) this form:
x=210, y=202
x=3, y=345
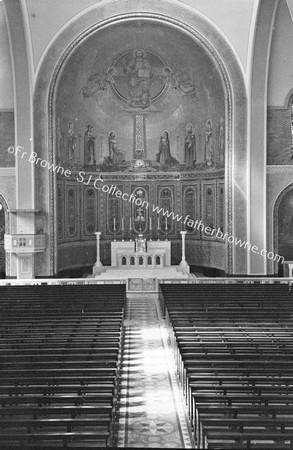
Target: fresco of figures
x=197, y=151
x=147, y=107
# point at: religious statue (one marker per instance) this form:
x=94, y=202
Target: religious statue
x=89, y=146
x=190, y=147
x=140, y=244
x=116, y=156
x=209, y=143
x=72, y=137
x=139, y=73
x=164, y=156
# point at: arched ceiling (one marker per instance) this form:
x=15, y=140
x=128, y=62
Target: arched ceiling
x=47, y=19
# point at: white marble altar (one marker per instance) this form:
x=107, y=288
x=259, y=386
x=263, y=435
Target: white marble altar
x=133, y=254
x=142, y=264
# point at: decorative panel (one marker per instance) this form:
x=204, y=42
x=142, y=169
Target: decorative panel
x=279, y=137
x=6, y=138
x=71, y=212
x=190, y=208
x=166, y=202
x=2, y=231
x=90, y=212
x=139, y=209
x=221, y=206
x=60, y=212
x=115, y=219
x=285, y=225
x=208, y=208
x=2, y=223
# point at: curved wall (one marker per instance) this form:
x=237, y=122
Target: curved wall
x=87, y=206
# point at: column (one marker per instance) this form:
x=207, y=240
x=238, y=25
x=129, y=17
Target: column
x=183, y=265
x=23, y=266
x=98, y=265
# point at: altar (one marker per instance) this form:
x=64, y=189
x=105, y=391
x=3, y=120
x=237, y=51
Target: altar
x=141, y=263
x=140, y=253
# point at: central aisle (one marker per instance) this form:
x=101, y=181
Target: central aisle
x=152, y=413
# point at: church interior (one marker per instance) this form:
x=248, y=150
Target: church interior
x=146, y=224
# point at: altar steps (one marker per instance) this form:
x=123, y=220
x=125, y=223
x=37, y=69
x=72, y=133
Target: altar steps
x=142, y=281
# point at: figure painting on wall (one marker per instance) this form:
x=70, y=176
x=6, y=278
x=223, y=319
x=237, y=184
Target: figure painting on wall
x=190, y=147
x=180, y=81
x=139, y=74
x=72, y=137
x=98, y=82
x=209, y=143
x=116, y=156
x=89, y=146
x=164, y=156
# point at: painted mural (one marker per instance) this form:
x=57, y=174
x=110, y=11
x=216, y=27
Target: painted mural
x=141, y=97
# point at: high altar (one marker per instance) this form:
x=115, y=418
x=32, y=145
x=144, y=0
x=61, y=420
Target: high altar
x=140, y=253
x=141, y=263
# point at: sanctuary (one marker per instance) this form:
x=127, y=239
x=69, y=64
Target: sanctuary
x=142, y=263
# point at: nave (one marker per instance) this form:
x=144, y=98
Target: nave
x=207, y=366
x=152, y=413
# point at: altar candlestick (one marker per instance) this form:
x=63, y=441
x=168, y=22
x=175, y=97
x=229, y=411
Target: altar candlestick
x=114, y=227
x=158, y=223
x=150, y=224
x=166, y=224
x=122, y=223
x=130, y=223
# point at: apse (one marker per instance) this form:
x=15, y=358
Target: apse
x=140, y=105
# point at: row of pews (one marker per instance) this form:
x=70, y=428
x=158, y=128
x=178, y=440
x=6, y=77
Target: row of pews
x=233, y=346
x=60, y=357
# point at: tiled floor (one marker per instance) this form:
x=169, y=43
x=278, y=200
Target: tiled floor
x=152, y=412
